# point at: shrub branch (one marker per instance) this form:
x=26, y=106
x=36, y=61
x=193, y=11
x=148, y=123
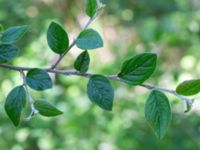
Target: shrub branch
x=186, y=101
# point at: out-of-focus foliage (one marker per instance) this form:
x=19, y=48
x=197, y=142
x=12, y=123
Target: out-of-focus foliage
x=170, y=28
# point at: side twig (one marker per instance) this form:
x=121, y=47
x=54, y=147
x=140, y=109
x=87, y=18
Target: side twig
x=72, y=44
x=30, y=99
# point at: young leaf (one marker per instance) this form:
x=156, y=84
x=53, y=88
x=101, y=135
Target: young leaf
x=13, y=34
x=57, y=38
x=8, y=52
x=46, y=109
x=91, y=7
x=89, y=39
x=138, y=68
x=82, y=62
x=189, y=87
x=158, y=112
x=14, y=104
x=38, y=79
x=100, y=91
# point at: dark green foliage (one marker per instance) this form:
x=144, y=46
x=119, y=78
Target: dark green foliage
x=100, y=91
x=57, y=38
x=82, y=62
x=13, y=34
x=8, y=52
x=138, y=68
x=89, y=39
x=158, y=112
x=14, y=104
x=91, y=7
x=143, y=34
x=38, y=79
x=46, y=109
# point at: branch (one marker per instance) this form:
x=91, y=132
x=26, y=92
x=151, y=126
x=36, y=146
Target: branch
x=63, y=55
x=186, y=101
x=73, y=43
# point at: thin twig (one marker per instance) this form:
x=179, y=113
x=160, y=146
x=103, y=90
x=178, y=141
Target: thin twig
x=185, y=100
x=30, y=99
x=73, y=43
x=63, y=55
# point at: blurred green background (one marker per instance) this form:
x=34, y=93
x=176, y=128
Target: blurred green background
x=170, y=28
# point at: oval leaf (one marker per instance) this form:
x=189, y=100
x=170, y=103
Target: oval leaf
x=13, y=34
x=14, y=104
x=8, y=53
x=189, y=87
x=38, y=79
x=82, y=62
x=89, y=39
x=91, y=7
x=46, y=109
x=100, y=91
x=57, y=38
x=138, y=68
x=158, y=112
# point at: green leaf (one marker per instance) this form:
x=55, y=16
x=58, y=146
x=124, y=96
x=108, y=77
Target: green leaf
x=91, y=7
x=13, y=34
x=8, y=52
x=138, y=68
x=46, y=109
x=38, y=79
x=189, y=87
x=57, y=38
x=89, y=39
x=100, y=91
x=158, y=112
x=82, y=62
x=14, y=104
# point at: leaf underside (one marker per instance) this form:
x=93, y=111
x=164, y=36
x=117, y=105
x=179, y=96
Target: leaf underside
x=89, y=39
